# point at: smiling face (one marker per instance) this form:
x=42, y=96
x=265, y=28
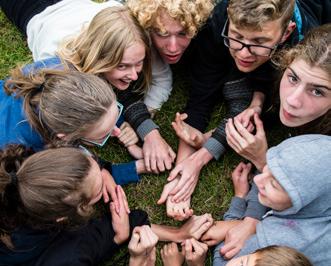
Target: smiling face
x=305, y=94
x=129, y=68
x=271, y=193
x=172, y=41
x=270, y=35
x=105, y=125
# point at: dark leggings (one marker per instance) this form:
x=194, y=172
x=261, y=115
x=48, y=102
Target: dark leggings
x=90, y=245
x=19, y=12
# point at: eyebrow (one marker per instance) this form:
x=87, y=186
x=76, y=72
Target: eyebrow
x=314, y=84
x=256, y=39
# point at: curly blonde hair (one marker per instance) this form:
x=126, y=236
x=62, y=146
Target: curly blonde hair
x=191, y=14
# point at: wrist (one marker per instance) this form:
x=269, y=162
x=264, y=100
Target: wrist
x=153, y=133
x=251, y=221
x=202, y=156
x=137, y=260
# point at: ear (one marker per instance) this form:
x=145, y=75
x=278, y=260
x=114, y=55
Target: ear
x=61, y=135
x=288, y=31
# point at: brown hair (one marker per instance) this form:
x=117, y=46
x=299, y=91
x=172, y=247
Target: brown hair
x=100, y=47
x=60, y=101
x=253, y=14
x=192, y=14
x=315, y=50
x=37, y=190
x=280, y=256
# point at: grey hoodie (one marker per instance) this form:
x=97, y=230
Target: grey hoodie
x=302, y=166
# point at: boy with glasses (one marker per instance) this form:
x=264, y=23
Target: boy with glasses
x=232, y=63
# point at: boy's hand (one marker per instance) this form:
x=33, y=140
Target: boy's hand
x=171, y=256
x=196, y=226
x=120, y=220
x=195, y=252
x=240, y=179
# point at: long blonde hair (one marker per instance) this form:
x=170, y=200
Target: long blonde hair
x=99, y=48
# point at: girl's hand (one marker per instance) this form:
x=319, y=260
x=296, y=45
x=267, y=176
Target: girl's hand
x=187, y=133
x=120, y=220
x=252, y=147
x=240, y=179
x=196, y=226
x=195, y=252
x=127, y=136
x=171, y=256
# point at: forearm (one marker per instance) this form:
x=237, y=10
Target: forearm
x=257, y=100
x=168, y=233
x=184, y=151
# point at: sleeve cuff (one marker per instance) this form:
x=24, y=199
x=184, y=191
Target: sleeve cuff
x=236, y=210
x=214, y=147
x=145, y=127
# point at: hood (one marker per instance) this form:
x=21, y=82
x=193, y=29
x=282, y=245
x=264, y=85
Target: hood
x=302, y=166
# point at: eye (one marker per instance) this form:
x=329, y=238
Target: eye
x=292, y=79
x=121, y=67
x=161, y=33
x=140, y=63
x=182, y=34
x=317, y=92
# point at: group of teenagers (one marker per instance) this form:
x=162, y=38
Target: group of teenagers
x=103, y=70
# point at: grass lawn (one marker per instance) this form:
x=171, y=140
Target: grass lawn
x=214, y=190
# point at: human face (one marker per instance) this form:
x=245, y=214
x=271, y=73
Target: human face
x=269, y=36
x=93, y=183
x=172, y=41
x=248, y=260
x=105, y=127
x=271, y=193
x=305, y=94
x=129, y=68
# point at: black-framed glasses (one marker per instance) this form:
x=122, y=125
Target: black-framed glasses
x=254, y=49
x=102, y=142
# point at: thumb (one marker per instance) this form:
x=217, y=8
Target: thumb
x=164, y=196
x=174, y=173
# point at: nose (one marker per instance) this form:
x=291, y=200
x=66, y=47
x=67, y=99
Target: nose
x=172, y=45
x=244, y=53
x=259, y=180
x=116, y=132
x=294, y=99
x=133, y=75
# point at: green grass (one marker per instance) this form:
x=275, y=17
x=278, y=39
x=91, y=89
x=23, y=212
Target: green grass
x=214, y=190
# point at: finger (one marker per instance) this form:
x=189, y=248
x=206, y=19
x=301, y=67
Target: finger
x=196, y=246
x=134, y=240
x=172, y=155
x=183, y=116
x=188, y=249
x=226, y=248
x=233, y=143
x=247, y=170
x=243, y=131
x=189, y=193
x=153, y=164
x=235, y=134
x=179, y=195
x=125, y=200
x=114, y=198
x=105, y=194
x=210, y=242
x=230, y=254
x=175, y=172
x=164, y=196
x=147, y=161
x=250, y=127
